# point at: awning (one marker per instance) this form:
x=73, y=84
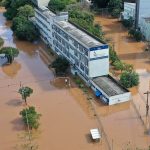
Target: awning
x=98, y=93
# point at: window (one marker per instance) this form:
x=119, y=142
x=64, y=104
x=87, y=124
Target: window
x=82, y=67
x=75, y=44
x=86, y=71
x=85, y=51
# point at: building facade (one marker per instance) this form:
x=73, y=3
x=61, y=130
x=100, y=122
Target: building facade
x=145, y=27
x=89, y=58
x=129, y=10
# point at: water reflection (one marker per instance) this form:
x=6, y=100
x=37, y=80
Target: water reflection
x=12, y=69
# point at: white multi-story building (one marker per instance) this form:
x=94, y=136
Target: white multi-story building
x=89, y=57
x=142, y=10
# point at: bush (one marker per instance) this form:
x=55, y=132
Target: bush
x=129, y=79
x=136, y=34
x=128, y=67
x=85, y=20
x=128, y=23
x=30, y=117
x=1, y=42
x=113, y=55
x=12, y=7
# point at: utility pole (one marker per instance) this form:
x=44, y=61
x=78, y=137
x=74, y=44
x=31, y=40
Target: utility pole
x=147, y=103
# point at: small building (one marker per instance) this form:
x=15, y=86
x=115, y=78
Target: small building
x=109, y=90
x=129, y=11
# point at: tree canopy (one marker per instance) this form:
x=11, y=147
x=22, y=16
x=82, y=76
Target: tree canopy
x=10, y=52
x=25, y=92
x=24, y=29
x=12, y=7
x=59, y=5
x=30, y=117
x=129, y=79
x=26, y=11
x=60, y=64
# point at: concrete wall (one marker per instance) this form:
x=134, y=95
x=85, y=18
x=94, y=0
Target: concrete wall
x=144, y=9
x=120, y=98
x=145, y=28
x=99, y=61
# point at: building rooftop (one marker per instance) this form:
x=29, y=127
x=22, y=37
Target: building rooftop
x=109, y=85
x=79, y=34
x=46, y=12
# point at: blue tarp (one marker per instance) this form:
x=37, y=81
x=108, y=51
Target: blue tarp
x=98, y=93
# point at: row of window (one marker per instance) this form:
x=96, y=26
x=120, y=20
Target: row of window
x=67, y=46
x=43, y=17
x=80, y=64
x=68, y=38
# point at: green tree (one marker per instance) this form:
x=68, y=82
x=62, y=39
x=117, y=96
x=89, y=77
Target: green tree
x=129, y=79
x=26, y=11
x=60, y=64
x=128, y=67
x=113, y=57
x=85, y=20
x=119, y=65
x=24, y=29
x=10, y=52
x=30, y=117
x=1, y=42
x=25, y=92
x=12, y=7
x=128, y=23
x=136, y=34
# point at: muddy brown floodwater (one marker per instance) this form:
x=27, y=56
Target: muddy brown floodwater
x=65, y=121
x=67, y=115
x=126, y=123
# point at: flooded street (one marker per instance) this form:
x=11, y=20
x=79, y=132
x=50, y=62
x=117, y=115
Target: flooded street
x=126, y=124
x=66, y=115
